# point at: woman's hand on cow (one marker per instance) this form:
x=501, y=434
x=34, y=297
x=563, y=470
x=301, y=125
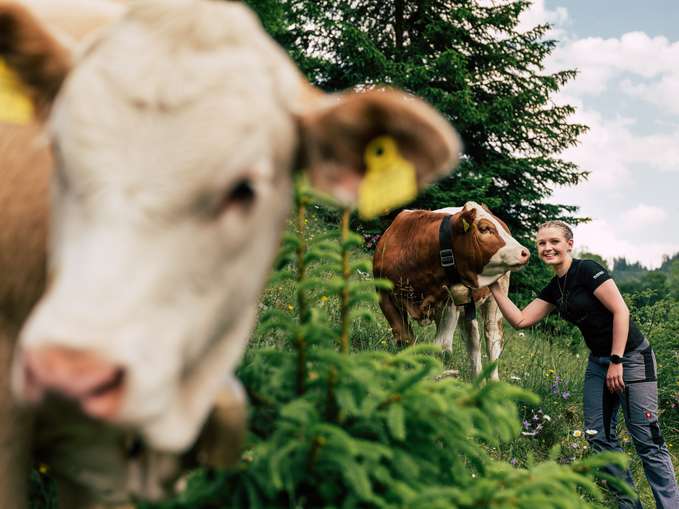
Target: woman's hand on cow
x=614, y=380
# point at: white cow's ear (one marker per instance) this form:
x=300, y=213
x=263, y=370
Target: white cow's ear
x=335, y=137
x=32, y=56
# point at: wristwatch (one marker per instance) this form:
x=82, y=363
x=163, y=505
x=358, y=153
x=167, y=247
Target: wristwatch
x=616, y=359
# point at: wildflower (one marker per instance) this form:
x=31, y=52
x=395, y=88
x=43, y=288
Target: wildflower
x=574, y=445
x=565, y=394
x=513, y=461
x=591, y=432
x=526, y=424
x=577, y=433
x=290, y=307
x=43, y=468
x=324, y=298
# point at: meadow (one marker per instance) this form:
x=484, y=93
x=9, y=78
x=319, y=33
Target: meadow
x=355, y=430
x=548, y=360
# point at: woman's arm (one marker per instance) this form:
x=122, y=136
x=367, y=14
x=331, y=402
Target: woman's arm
x=517, y=318
x=610, y=297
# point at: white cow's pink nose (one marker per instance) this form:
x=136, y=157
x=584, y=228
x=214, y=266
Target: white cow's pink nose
x=97, y=384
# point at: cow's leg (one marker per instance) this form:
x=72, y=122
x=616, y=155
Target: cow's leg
x=397, y=318
x=15, y=426
x=494, y=325
x=470, y=332
x=445, y=327
x=494, y=331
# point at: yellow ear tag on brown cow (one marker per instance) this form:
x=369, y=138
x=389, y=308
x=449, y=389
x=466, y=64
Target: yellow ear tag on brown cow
x=15, y=105
x=465, y=225
x=389, y=180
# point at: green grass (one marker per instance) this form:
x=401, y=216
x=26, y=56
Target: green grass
x=546, y=360
x=549, y=361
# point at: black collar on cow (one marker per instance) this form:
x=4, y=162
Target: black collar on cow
x=446, y=254
x=447, y=258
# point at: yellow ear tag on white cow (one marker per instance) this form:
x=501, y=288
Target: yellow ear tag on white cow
x=389, y=180
x=15, y=105
x=465, y=225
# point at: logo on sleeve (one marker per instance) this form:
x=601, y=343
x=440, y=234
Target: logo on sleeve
x=598, y=274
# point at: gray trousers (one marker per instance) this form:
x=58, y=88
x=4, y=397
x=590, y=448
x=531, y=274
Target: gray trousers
x=639, y=402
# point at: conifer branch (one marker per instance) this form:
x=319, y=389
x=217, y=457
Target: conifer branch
x=345, y=312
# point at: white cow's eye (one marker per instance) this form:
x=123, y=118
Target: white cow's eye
x=241, y=195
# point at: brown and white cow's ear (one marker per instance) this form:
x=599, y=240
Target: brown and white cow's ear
x=463, y=221
x=336, y=135
x=30, y=56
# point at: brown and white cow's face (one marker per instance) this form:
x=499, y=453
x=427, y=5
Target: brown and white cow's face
x=174, y=136
x=485, y=248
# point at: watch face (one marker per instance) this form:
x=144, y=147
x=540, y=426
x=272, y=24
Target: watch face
x=616, y=359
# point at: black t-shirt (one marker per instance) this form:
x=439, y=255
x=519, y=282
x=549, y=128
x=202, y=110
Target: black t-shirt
x=573, y=296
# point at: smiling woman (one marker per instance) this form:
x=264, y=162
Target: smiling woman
x=621, y=371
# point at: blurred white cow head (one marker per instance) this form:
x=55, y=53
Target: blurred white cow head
x=175, y=134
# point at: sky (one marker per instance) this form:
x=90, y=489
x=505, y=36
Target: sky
x=627, y=92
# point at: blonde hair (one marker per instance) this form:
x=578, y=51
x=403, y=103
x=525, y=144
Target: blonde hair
x=565, y=229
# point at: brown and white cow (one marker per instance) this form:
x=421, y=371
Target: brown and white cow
x=172, y=137
x=408, y=254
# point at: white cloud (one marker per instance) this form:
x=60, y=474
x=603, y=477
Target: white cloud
x=643, y=216
x=604, y=239
x=662, y=92
x=601, y=61
x=613, y=151
x=538, y=14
